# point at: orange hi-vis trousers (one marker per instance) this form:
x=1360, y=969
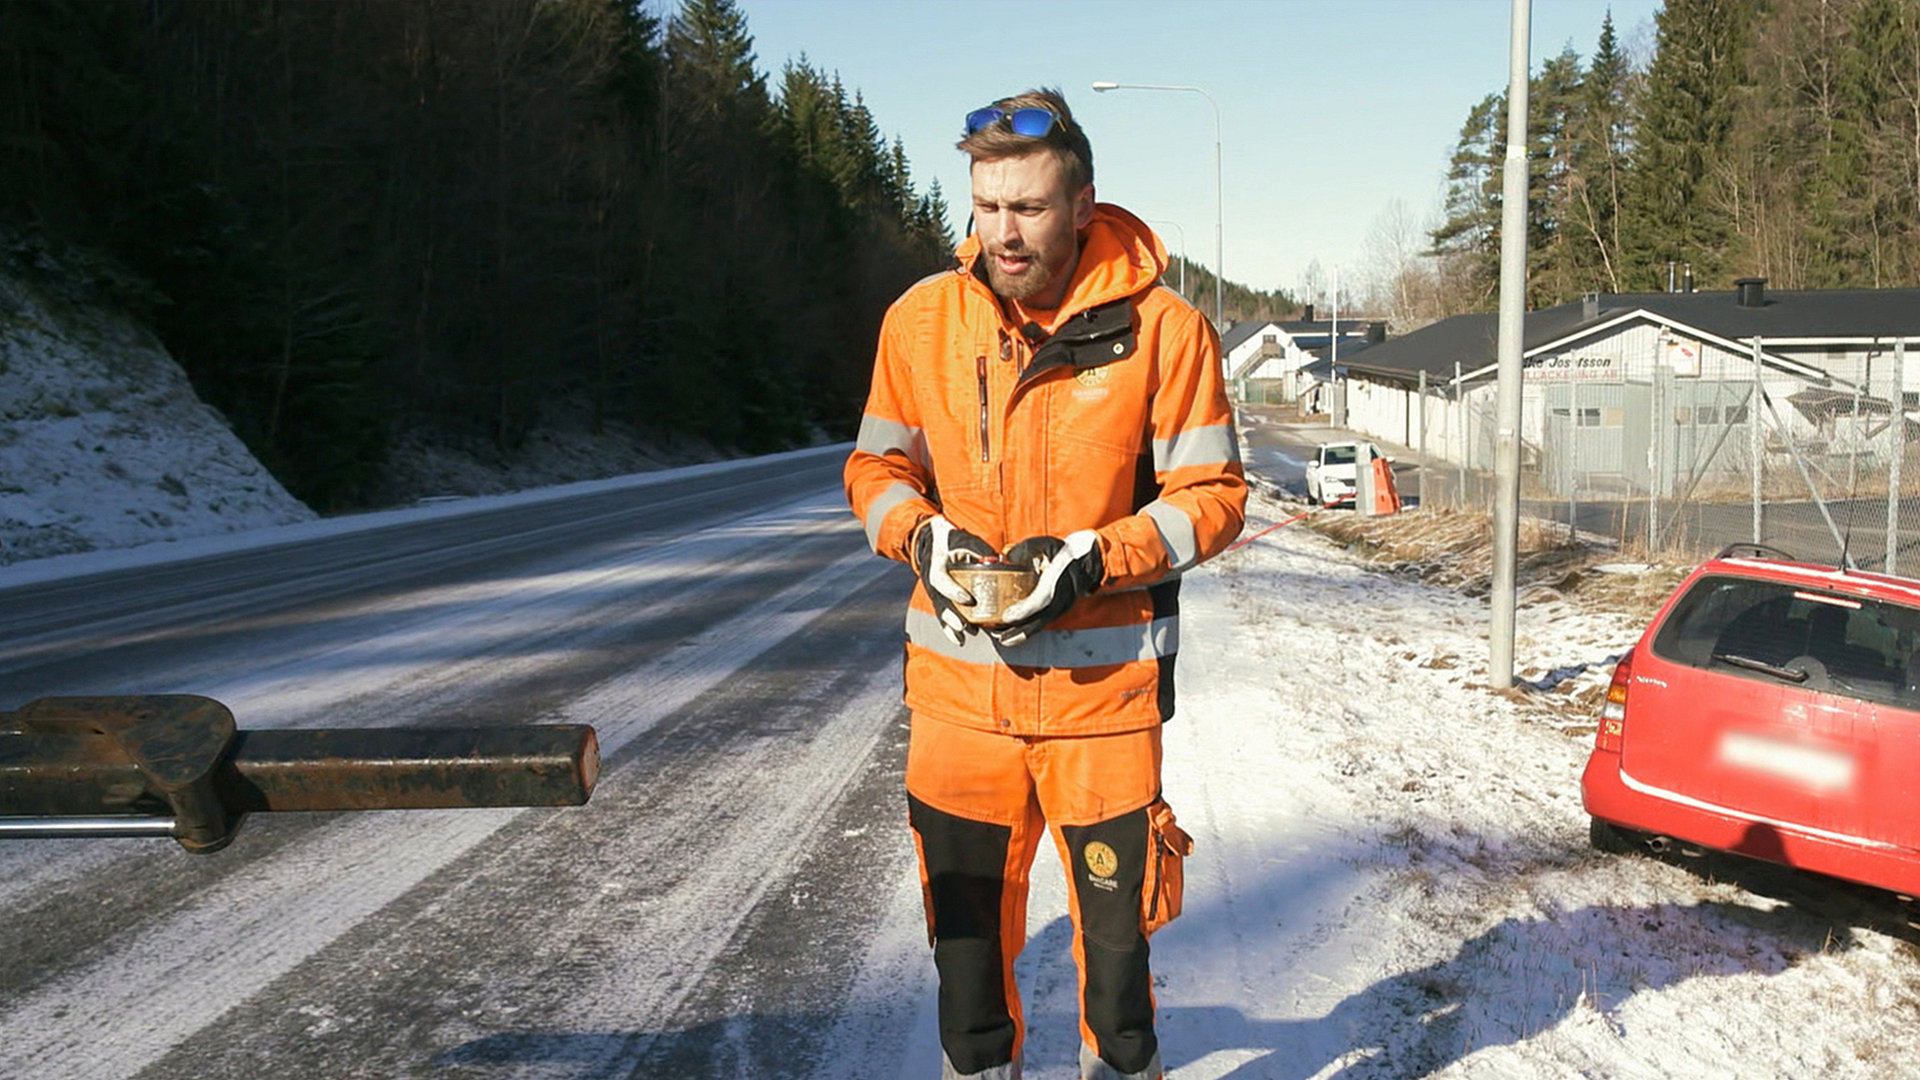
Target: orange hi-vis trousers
x=979, y=802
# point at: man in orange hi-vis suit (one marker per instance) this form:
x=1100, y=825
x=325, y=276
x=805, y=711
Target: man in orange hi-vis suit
x=1048, y=402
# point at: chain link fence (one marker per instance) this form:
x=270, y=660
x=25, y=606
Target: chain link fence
x=1812, y=453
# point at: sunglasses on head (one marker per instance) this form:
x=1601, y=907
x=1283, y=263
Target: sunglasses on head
x=1031, y=122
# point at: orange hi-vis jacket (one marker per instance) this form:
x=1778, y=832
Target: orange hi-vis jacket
x=1114, y=418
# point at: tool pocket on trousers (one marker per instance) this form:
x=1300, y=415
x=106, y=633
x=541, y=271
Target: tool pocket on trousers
x=1168, y=847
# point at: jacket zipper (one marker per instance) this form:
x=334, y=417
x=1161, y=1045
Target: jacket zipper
x=980, y=368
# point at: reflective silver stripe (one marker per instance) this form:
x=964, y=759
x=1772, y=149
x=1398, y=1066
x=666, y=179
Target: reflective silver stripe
x=1052, y=648
x=1211, y=445
x=1176, y=531
x=879, y=437
x=877, y=510
x=1645, y=788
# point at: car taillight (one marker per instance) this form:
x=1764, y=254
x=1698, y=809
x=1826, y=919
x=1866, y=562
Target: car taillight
x=1613, y=715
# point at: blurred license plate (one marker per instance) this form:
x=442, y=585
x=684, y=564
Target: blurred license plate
x=1811, y=766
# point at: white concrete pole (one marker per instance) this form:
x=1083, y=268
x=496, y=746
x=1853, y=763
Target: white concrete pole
x=1420, y=470
x=1513, y=300
x=1573, y=457
x=1896, y=451
x=1756, y=443
x=1333, y=338
x=1462, y=436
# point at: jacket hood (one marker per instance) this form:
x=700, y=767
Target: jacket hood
x=1119, y=256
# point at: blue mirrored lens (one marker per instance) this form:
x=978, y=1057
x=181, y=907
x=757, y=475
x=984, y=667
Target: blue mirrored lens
x=1032, y=122
x=980, y=118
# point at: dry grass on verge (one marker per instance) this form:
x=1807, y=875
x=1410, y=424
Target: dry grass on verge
x=1454, y=548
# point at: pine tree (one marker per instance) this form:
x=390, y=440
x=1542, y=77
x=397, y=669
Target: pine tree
x=1683, y=133
x=1556, y=263
x=932, y=221
x=1469, y=234
x=899, y=185
x=711, y=60
x=1879, y=90
x=1602, y=139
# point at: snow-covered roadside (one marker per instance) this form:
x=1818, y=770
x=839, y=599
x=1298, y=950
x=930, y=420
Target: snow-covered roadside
x=150, y=554
x=1393, y=877
x=103, y=443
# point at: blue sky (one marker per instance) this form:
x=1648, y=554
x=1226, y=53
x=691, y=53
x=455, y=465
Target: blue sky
x=1330, y=110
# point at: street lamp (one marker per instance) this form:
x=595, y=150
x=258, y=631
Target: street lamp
x=1183, y=249
x=1219, y=247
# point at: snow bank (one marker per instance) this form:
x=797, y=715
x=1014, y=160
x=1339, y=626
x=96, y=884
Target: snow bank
x=1392, y=877
x=103, y=443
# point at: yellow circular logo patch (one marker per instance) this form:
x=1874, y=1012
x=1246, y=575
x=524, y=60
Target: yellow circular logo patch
x=1101, y=861
x=1092, y=376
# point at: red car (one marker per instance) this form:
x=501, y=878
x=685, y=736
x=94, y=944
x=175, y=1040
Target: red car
x=1772, y=709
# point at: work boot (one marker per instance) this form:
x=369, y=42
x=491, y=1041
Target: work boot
x=1009, y=1071
x=1094, y=1067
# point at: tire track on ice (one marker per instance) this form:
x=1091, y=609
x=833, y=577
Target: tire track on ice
x=179, y=973
x=568, y=646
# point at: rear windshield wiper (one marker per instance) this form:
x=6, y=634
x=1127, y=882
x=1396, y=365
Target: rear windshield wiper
x=1785, y=674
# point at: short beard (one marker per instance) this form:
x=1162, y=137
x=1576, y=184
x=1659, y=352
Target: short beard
x=1023, y=288
x=1038, y=279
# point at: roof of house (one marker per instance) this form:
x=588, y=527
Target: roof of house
x=1463, y=343
x=1786, y=313
x=1324, y=327
x=1239, y=332
x=1471, y=341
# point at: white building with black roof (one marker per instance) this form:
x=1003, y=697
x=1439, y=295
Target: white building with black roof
x=1272, y=357
x=1615, y=383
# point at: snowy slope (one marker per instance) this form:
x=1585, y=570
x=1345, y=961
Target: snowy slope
x=103, y=443
x=1393, y=876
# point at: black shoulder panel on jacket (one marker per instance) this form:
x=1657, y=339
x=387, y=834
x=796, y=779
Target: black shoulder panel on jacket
x=1096, y=336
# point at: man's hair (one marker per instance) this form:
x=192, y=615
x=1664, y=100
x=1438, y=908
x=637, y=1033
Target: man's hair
x=1064, y=140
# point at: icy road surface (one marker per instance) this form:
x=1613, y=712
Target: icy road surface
x=1391, y=878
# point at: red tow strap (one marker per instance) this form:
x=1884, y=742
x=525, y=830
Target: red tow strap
x=1245, y=540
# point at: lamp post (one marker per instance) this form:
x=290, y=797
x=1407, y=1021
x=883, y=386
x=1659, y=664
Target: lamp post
x=1512, y=353
x=1183, y=248
x=1219, y=246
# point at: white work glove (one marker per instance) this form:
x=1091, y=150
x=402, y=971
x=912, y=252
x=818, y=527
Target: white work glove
x=937, y=545
x=1069, y=569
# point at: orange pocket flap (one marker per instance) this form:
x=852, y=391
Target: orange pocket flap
x=1169, y=832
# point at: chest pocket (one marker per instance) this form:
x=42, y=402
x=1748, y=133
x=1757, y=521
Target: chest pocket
x=1099, y=401
x=1095, y=337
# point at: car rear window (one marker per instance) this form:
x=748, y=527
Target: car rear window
x=1778, y=632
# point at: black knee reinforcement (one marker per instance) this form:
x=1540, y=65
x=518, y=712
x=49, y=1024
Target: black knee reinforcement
x=966, y=866
x=1109, y=868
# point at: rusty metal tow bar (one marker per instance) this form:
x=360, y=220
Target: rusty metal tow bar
x=175, y=765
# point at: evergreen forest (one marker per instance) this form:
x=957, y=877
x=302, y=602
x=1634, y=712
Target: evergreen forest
x=358, y=218
x=1769, y=138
